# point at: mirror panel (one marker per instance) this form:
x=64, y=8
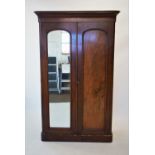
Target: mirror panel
x=59, y=78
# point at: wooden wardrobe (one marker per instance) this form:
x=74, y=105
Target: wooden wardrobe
x=91, y=73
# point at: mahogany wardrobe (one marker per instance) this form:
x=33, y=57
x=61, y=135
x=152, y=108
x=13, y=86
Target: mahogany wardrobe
x=77, y=58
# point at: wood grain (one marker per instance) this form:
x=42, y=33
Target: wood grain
x=95, y=48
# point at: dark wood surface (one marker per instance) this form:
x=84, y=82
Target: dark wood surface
x=66, y=14
x=86, y=50
x=92, y=42
x=94, y=51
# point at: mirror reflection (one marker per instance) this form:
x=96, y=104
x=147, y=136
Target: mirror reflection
x=59, y=78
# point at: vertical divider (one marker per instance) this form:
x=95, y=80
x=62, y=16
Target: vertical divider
x=74, y=79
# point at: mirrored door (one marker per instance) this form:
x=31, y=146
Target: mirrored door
x=59, y=78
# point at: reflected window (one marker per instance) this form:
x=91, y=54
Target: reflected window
x=65, y=43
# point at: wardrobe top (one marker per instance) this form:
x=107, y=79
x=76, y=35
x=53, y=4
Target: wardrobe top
x=77, y=14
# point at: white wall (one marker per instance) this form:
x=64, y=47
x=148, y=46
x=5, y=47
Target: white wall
x=121, y=48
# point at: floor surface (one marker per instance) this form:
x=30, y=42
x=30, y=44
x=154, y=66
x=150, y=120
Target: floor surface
x=59, y=97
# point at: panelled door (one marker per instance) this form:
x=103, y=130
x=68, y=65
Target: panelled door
x=95, y=65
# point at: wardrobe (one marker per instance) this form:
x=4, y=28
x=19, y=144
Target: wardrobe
x=86, y=45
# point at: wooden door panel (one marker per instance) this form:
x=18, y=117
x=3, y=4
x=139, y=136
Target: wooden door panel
x=94, y=52
x=94, y=75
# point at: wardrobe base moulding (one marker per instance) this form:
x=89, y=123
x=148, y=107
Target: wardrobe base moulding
x=45, y=136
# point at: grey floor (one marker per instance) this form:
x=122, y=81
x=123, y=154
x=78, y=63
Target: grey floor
x=34, y=146
x=63, y=97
